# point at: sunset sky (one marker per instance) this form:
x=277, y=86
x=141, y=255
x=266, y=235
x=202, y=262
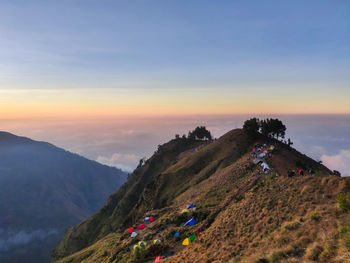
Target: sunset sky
x=93, y=58
x=111, y=79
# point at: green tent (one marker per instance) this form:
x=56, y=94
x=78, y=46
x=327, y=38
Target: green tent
x=193, y=237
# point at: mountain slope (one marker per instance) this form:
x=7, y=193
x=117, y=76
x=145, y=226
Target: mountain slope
x=246, y=216
x=45, y=189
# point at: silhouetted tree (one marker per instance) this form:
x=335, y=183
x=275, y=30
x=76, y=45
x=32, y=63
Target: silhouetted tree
x=251, y=127
x=289, y=142
x=141, y=162
x=200, y=133
x=336, y=173
x=272, y=128
x=177, y=136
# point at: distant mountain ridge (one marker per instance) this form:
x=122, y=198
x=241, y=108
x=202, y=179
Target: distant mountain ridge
x=44, y=189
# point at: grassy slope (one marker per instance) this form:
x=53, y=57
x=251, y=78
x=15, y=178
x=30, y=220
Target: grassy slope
x=246, y=217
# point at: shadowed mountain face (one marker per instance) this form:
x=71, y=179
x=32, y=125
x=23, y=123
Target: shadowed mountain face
x=244, y=214
x=43, y=190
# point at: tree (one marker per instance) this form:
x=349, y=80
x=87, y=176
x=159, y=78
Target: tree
x=289, y=142
x=336, y=173
x=251, y=127
x=273, y=128
x=177, y=136
x=200, y=133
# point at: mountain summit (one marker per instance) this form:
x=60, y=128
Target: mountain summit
x=45, y=189
x=233, y=199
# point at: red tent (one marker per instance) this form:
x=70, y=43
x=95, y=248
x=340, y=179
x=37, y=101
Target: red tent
x=158, y=259
x=142, y=226
x=131, y=229
x=151, y=218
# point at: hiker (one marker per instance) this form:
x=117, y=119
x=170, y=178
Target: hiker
x=291, y=173
x=301, y=172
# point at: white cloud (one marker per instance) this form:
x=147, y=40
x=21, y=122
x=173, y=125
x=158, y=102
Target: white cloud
x=340, y=162
x=9, y=239
x=126, y=162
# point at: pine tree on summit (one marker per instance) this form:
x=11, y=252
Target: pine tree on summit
x=251, y=127
x=200, y=133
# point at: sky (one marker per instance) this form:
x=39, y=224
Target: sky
x=86, y=58
x=112, y=79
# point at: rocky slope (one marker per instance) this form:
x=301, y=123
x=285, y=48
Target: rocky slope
x=242, y=214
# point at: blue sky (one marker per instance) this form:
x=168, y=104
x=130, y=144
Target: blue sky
x=236, y=48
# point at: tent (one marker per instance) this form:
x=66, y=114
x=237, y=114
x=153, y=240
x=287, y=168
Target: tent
x=131, y=229
x=146, y=219
x=199, y=231
x=151, y=218
x=190, y=206
x=184, y=211
x=177, y=234
x=272, y=148
x=256, y=161
x=137, y=247
x=193, y=237
x=186, y=242
x=265, y=166
x=191, y=222
x=156, y=242
x=142, y=243
x=158, y=259
x=262, y=155
x=142, y=226
x=133, y=234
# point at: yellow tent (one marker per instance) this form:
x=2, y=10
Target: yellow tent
x=185, y=211
x=136, y=247
x=142, y=243
x=156, y=241
x=186, y=242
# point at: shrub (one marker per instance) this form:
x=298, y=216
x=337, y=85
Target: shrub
x=314, y=253
x=262, y=260
x=277, y=256
x=292, y=226
x=180, y=219
x=200, y=214
x=315, y=216
x=345, y=229
x=326, y=255
x=344, y=201
x=271, y=176
x=347, y=243
x=139, y=253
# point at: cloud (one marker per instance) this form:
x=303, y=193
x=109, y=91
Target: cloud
x=9, y=239
x=340, y=162
x=126, y=162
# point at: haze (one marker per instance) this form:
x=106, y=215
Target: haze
x=112, y=79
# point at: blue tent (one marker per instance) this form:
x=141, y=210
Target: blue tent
x=190, y=206
x=177, y=234
x=191, y=222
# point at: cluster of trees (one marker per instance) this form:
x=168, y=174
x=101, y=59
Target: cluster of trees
x=199, y=133
x=273, y=128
